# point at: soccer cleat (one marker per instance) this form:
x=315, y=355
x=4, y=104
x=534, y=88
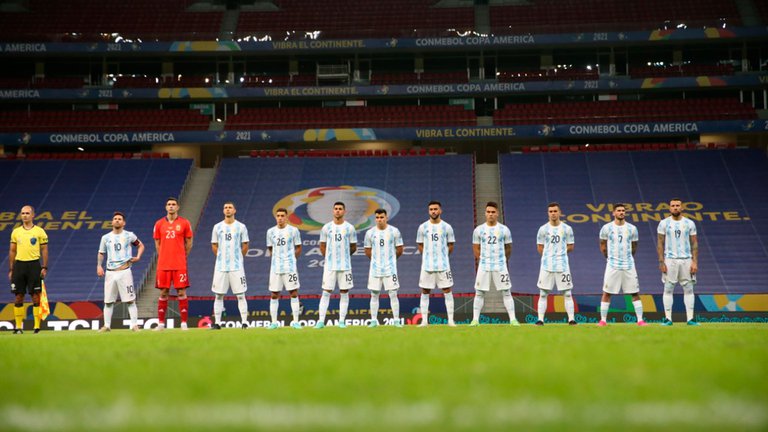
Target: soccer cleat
x=451, y=323
x=539, y=323
x=244, y=326
x=514, y=323
x=18, y=331
x=474, y=323
x=373, y=324
x=342, y=325
x=641, y=323
x=423, y=324
x=320, y=325
x=692, y=323
x=37, y=330
x=273, y=326
x=572, y=323
x=666, y=322
x=160, y=327
x=215, y=327
x=105, y=329
x=602, y=323
x=135, y=328
x=184, y=326
x=296, y=325
x=398, y=324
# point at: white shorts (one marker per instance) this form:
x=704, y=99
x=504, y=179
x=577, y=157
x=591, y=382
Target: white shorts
x=437, y=279
x=223, y=281
x=119, y=282
x=289, y=281
x=390, y=282
x=561, y=280
x=343, y=277
x=678, y=271
x=617, y=280
x=500, y=280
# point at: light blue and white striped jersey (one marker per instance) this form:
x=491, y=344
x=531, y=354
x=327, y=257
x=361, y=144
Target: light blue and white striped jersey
x=283, y=243
x=230, y=238
x=555, y=240
x=337, y=239
x=619, y=239
x=677, y=243
x=383, y=245
x=118, y=248
x=492, y=240
x=435, y=238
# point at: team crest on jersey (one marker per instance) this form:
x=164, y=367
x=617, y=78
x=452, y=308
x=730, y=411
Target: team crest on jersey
x=310, y=209
x=178, y=227
x=33, y=240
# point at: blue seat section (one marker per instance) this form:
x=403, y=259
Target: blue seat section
x=724, y=193
x=76, y=199
x=257, y=185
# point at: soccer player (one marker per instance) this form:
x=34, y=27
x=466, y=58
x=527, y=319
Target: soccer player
x=678, y=250
x=383, y=246
x=554, y=242
x=618, y=243
x=117, y=246
x=492, y=244
x=229, y=242
x=284, y=244
x=173, y=241
x=435, y=241
x=29, y=243
x=338, y=241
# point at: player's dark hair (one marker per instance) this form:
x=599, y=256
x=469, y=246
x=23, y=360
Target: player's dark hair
x=437, y=203
x=171, y=199
x=617, y=205
x=230, y=202
x=339, y=203
x=676, y=199
x=380, y=211
x=554, y=204
x=492, y=204
x=118, y=213
x=281, y=209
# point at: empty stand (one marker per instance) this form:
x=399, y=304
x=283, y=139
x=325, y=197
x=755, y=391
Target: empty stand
x=257, y=185
x=122, y=120
x=625, y=111
x=350, y=117
x=77, y=198
x=548, y=75
x=727, y=184
x=681, y=70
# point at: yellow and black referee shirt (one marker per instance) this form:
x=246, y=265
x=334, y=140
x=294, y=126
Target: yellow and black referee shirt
x=28, y=242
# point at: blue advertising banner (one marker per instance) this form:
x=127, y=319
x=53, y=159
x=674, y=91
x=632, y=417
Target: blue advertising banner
x=428, y=43
x=447, y=89
x=372, y=134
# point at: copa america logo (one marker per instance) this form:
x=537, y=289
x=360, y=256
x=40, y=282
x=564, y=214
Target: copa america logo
x=310, y=209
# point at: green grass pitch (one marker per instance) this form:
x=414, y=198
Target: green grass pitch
x=622, y=377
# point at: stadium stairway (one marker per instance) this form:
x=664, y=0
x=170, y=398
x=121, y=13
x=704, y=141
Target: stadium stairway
x=193, y=199
x=724, y=188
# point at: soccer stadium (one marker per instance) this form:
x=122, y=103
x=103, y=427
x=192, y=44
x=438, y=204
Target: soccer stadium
x=540, y=215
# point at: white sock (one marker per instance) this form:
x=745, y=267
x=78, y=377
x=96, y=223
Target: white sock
x=394, y=304
x=324, y=300
x=108, y=314
x=477, y=305
x=449, y=305
x=689, y=299
x=374, y=306
x=638, y=305
x=274, y=304
x=569, y=307
x=218, y=308
x=424, y=307
x=295, y=308
x=343, y=306
x=509, y=304
x=542, y=306
x=604, y=306
x=668, y=300
x=242, y=306
x=133, y=313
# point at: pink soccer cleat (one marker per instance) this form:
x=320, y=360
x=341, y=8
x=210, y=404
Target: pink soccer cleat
x=641, y=323
x=602, y=323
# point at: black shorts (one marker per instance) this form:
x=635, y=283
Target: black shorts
x=26, y=277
